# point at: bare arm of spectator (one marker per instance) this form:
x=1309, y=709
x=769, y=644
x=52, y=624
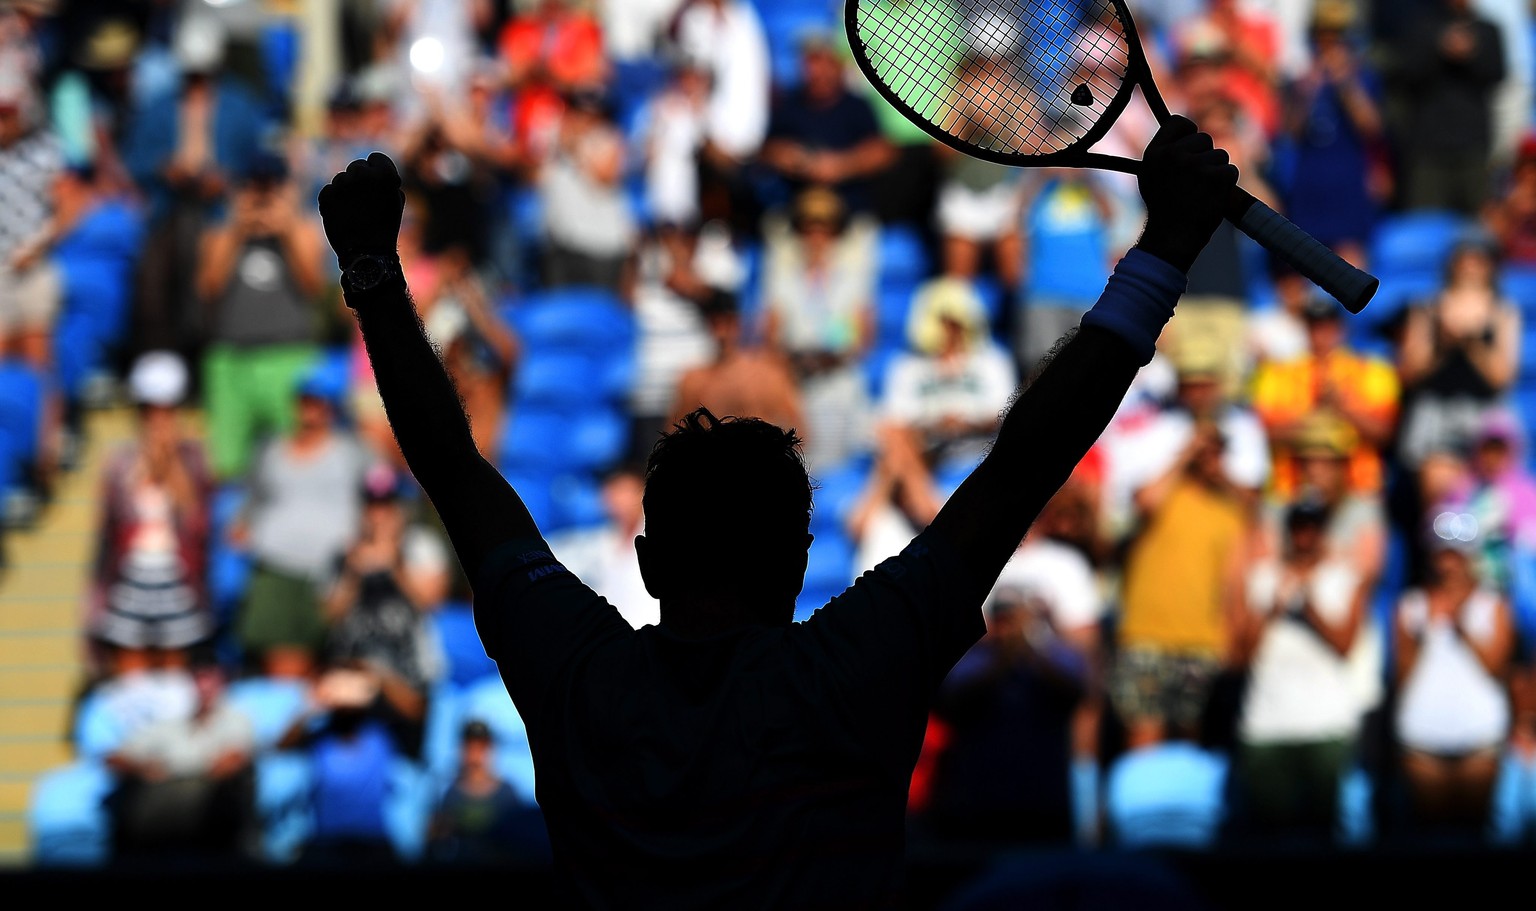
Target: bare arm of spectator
x=1055, y=420
x=1495, y=652
x=1416, y=351
x=219, y=252
x=1339, y=636
x=1149, y=498
x=1498, y=358
x=302, y=248
x=361, y=209
x=869, y=157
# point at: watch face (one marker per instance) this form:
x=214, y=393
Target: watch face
x=367, y=272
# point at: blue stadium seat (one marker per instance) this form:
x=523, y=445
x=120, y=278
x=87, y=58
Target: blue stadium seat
x=272, y=705
x=229, y=577
x=66, y=816
x=903, y=257
x=97, y=731
x=1167, y=796
x=533, y=485
x=597, y=438
x=553, y=377
x=1527, y=348
x=535, y=439
x=283, y=809
x=442, y=729
x=580, y=319
x=813, y=599
x=893, y=305
x=408, y=809
x=21, y=408
x=454, y=624
x=838, y=490
x=1519, y=284
x=877, y=367
x=488, y=701
x=1416, y=242
x=578, y=500
x=830, y=563
x=1356, y=821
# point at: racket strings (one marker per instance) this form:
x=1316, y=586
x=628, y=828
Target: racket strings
x=1016, y=77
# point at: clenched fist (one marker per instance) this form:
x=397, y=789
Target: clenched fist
x=1187, y=185
x=361, y=209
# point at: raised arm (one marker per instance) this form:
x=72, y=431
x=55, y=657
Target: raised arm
x=1055, y=420
x=361, y=209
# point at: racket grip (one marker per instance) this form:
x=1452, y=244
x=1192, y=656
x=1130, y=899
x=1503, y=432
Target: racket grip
x=1302, y=252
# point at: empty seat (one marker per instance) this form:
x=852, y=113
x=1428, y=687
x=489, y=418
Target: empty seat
x=454, y=624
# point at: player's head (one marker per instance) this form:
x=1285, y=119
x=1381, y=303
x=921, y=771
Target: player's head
x=727, y=513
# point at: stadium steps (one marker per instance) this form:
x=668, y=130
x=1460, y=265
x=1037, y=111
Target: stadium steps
x=40, y=636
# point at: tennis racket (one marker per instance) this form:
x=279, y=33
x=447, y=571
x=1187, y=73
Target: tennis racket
x=1036, y=83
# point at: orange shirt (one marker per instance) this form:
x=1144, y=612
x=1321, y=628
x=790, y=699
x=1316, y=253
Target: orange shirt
x=1285, y=392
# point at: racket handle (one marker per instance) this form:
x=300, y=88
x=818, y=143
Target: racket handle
x=1302, y=252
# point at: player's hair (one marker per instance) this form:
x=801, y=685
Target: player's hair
x=730, y=499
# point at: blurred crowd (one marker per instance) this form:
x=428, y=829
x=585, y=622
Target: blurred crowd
x=1291, y=594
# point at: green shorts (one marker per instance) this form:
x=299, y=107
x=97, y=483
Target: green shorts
x=280, y=610
x=249, y=394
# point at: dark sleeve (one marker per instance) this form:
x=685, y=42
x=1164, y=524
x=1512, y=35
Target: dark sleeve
x=884, y=645
x=479, y=509
x=1487, y=64
x=780, y=125
x=535, y=618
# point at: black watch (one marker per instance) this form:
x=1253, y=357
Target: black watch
x=368, y=272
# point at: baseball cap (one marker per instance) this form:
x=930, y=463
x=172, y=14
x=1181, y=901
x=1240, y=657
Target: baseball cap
x=1309, y=510
x=477, y=730
x=325, y=381
x=1319, y=307
x=381, y=484
x=158, y=378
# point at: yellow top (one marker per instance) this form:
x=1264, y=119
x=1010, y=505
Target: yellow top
x=1174, y=575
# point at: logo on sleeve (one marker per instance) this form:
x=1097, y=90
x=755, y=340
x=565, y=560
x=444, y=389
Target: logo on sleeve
x=537, y=564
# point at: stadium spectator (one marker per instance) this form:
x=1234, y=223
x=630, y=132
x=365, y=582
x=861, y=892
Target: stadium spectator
x=1336, y=137
x=481, y=819
x=1355, y=533
x=673, y=137
x=728, y=36
x=818, y=288
x=351, y=752
x=1459, y=354
x=1300, y=714
x=943, y=402
x=1008, y=706
x=258, y=274
x=606, y=554
x=1066, y=220
x=183, y=150
x=821, y=134
x=1182, y=593
x=1199, y=399
x=741, y=380
x=1356, y=387
x=479, y=348
x=1248, y=43
x=1511, y=215
x=304, y=507
x=977, y=214
x=587, y=216
x=30, y=159
x=1448, y=64
x=380, y=589
x=148, y=590
x=1501, y=495
x=1455, y=640
x=185, y=784
x=555, y=47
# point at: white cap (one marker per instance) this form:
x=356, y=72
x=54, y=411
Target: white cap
x=199, y=44
x=158, y=378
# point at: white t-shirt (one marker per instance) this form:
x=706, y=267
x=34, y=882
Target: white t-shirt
x=676, y=131
x=1300, y=690
x=731, y=39
x=1450, y=703
x=1158, y=444
x=188, y=747
x=921, y=391
x=605, y=560
x=1059, y=577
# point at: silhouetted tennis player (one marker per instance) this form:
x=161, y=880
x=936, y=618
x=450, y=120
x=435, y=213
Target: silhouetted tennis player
x=729, y=757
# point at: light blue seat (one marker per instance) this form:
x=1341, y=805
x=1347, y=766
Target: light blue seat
x=578, y=500
x=283, y=807
x=596, y=440
x=97, y=732
x=442, y=729
x=812, y=600
x=1518, y=283
x=454, y=624
x=838, y=490
x=67, y=816
x=830, y=562
x=412, y=796
x=555, y=377
x=903, y=256
x=572, y=319
x=1167, y=796
x=272, y=705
